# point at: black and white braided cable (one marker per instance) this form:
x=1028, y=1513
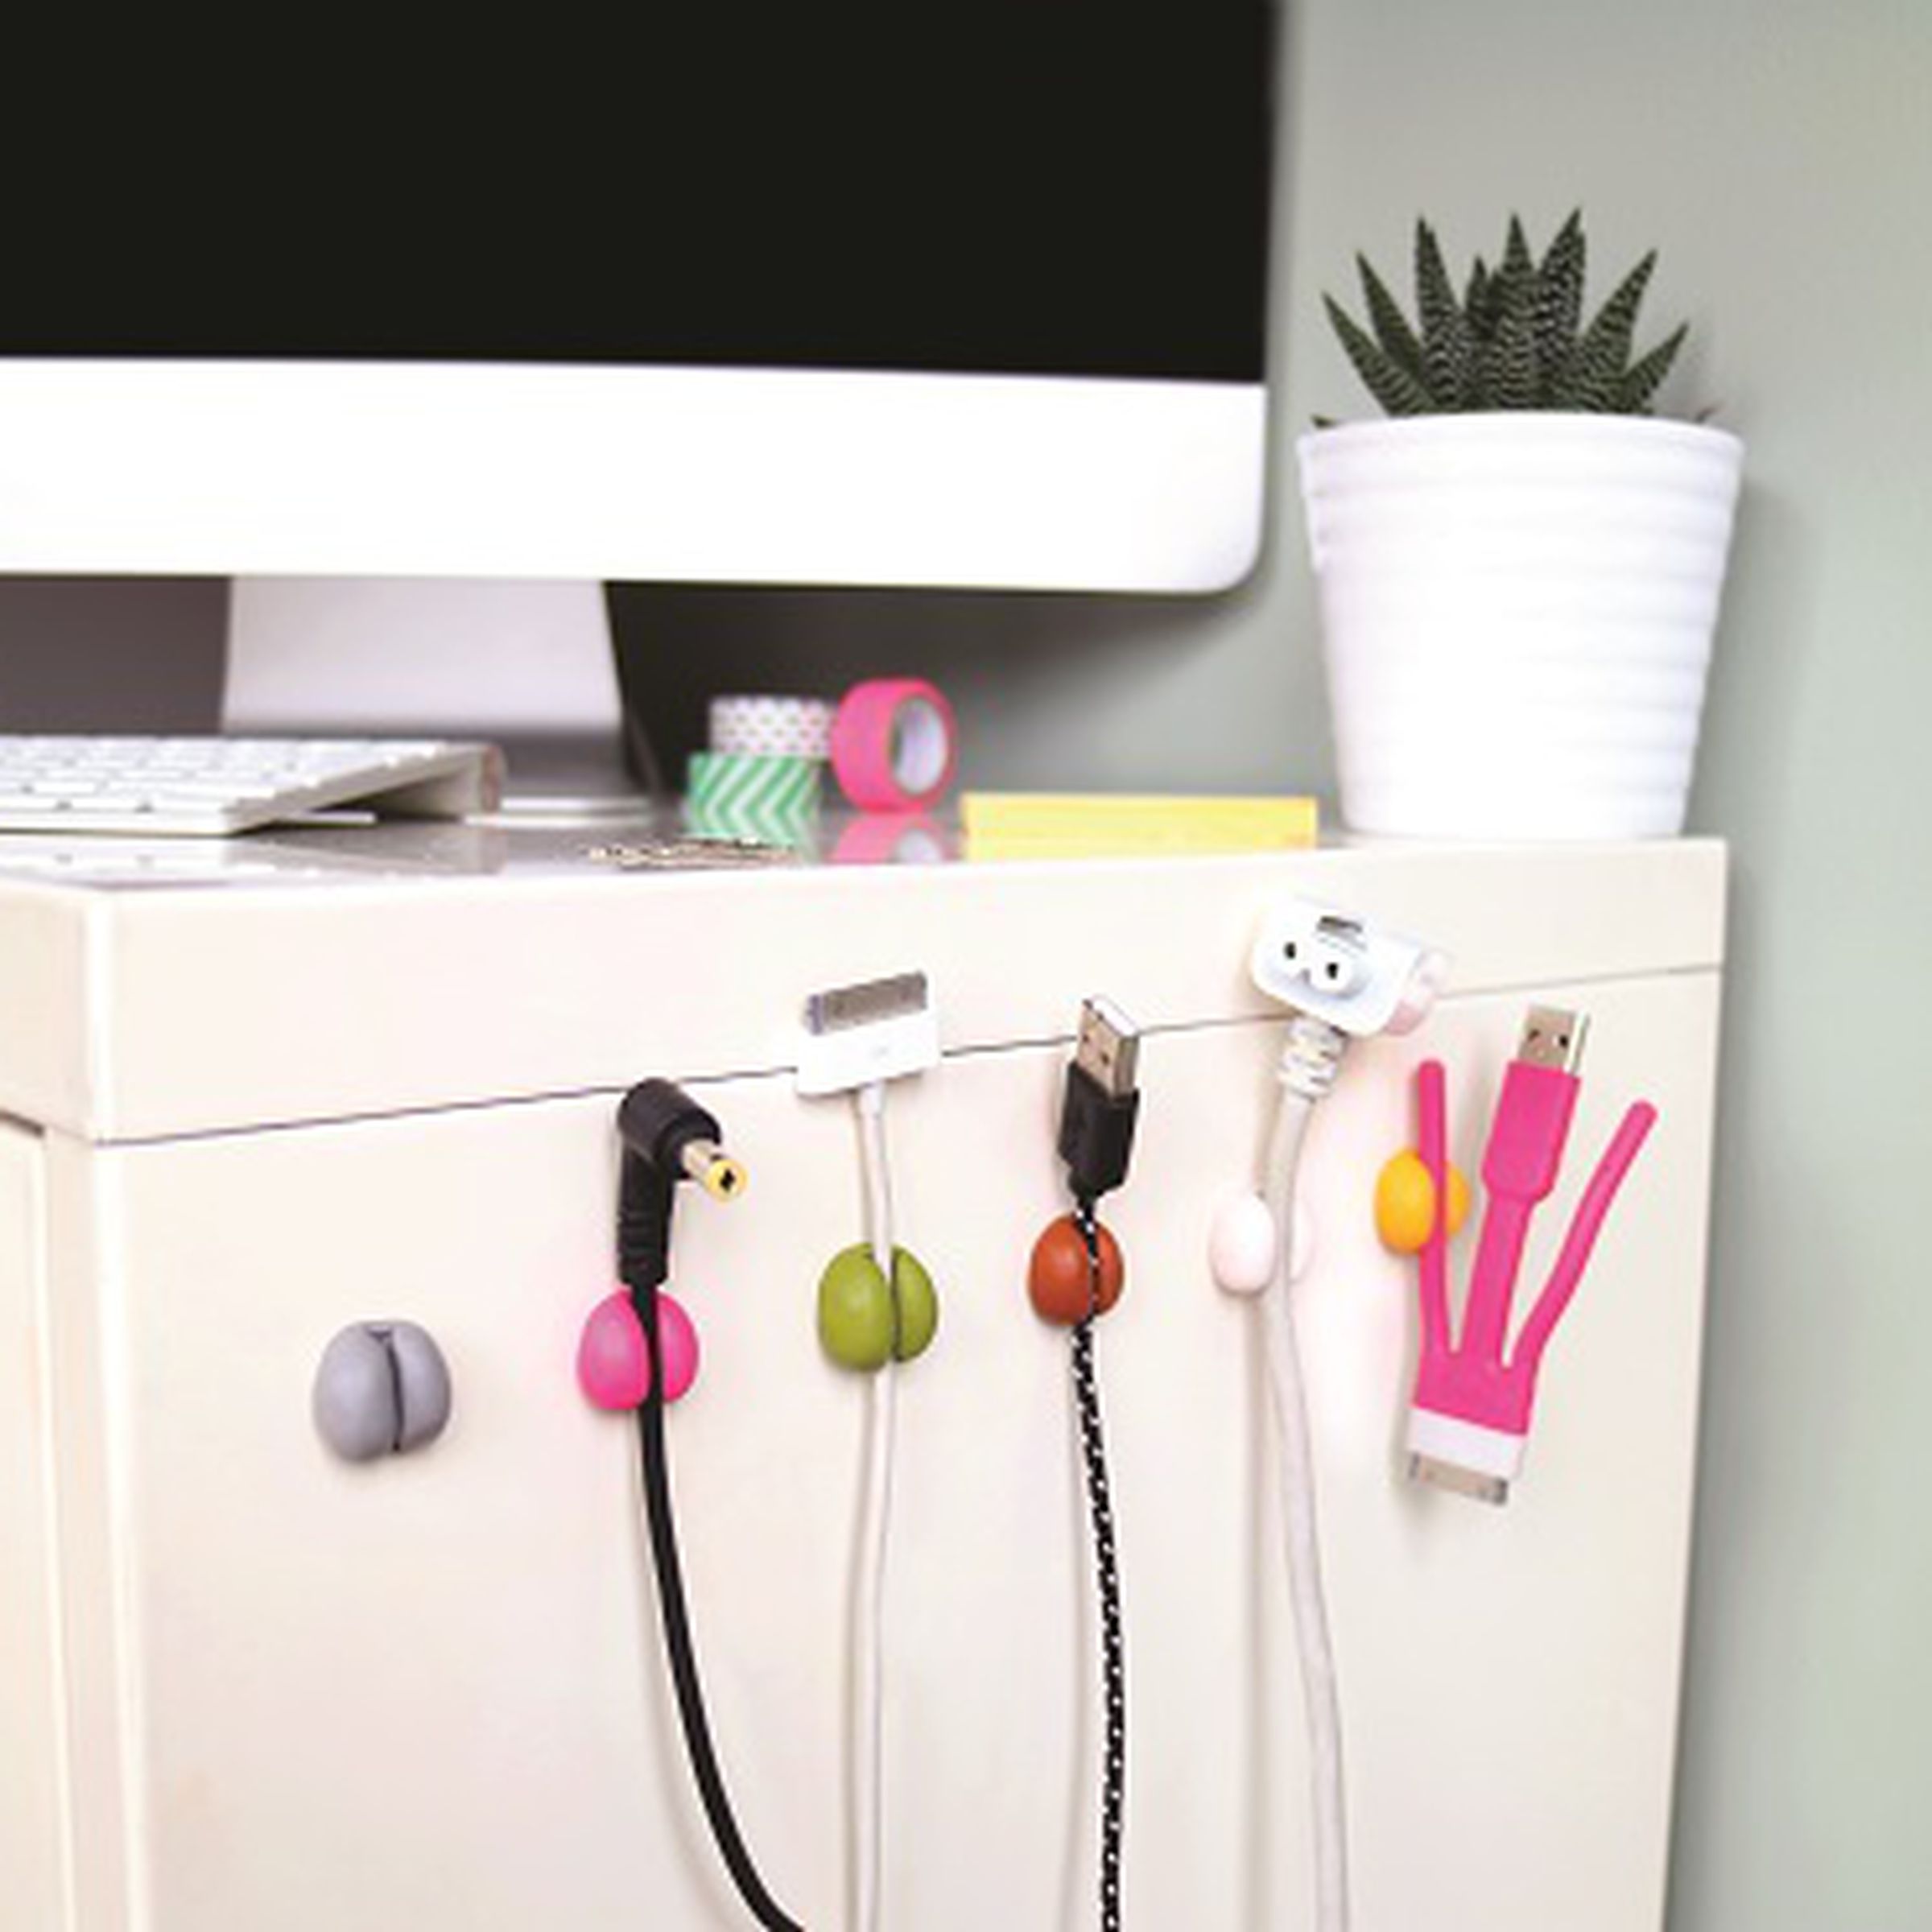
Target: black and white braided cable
x=1113, y=1647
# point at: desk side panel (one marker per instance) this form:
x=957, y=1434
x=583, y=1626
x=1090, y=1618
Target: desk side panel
x=89, y=1385
x=31, y=1744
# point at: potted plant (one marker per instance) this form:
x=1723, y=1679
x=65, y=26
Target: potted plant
x=1519, y=570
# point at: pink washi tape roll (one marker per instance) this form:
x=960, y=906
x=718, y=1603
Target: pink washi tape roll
x=892, y=745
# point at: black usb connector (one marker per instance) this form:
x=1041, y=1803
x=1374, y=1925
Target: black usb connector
x=1101, y=1101
x=1099, y=1105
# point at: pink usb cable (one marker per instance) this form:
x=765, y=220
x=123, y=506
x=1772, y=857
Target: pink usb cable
x=1470, y=1418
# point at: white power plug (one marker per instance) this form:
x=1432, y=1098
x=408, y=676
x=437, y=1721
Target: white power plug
x=1342, y=979
x=1330, y=965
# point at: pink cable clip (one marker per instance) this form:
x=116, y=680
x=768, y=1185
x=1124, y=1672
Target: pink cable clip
x=1469, y=1420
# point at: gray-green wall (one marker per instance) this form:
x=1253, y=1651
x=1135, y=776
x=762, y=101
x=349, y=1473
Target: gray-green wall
x=1779, y=155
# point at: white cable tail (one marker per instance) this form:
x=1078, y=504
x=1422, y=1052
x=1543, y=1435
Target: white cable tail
x=875, y=1513
x=1308, y=1071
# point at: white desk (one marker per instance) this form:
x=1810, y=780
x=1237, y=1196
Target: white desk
x=244, y=1686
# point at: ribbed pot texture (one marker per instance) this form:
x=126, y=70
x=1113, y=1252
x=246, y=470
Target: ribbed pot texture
x=1517, y=612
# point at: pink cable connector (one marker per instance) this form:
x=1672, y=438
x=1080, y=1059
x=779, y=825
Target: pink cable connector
x=1470, y=1418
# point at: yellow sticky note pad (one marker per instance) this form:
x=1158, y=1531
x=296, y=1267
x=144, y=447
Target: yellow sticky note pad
x=1061, y=825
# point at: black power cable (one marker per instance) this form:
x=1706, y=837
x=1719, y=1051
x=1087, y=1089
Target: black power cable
x=668, y=1136
x=676, y=1619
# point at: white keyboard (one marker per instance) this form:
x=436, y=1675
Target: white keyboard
x=211, y=786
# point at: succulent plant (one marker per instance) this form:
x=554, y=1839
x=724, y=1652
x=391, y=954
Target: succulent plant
x=1514, y=339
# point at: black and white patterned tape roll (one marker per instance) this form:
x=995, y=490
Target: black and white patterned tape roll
x=773, y=727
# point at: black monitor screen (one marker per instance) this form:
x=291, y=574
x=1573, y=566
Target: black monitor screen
x=1014, y=186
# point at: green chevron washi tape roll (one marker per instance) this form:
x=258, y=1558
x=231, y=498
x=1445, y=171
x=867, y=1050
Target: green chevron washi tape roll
x=752, y=787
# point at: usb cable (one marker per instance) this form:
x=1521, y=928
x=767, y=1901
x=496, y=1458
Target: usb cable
x=1310, y=1060
x=875, y=1522
x=1100, y=1104
x=1469, y=1421
x=857, y=1039
x=1341, y=980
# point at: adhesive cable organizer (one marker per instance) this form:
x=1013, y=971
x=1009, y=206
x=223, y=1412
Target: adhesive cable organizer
x=1469, y=1420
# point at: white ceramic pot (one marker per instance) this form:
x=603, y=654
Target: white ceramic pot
x=1517, y=611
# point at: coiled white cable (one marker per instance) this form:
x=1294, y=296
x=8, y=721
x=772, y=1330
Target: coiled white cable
x=1308, y=1068
x=875, y=1513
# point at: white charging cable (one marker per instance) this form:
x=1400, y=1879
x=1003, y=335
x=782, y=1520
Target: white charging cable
x=1308, y=1068
x=1340, y=980
x=856, y=1040
x=875, y=1516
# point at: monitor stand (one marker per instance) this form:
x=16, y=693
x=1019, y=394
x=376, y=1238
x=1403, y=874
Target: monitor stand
x=527, y=666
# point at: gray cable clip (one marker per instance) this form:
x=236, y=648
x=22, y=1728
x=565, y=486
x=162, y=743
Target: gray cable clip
x=382, y=1388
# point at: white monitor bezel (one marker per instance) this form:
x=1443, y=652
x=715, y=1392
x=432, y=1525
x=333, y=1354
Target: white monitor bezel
x=718, y=474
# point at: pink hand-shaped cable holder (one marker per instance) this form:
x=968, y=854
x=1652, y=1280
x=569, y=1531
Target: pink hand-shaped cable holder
x=1469, y=1419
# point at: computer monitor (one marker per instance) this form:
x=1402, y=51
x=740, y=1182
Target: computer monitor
x=422, y=348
